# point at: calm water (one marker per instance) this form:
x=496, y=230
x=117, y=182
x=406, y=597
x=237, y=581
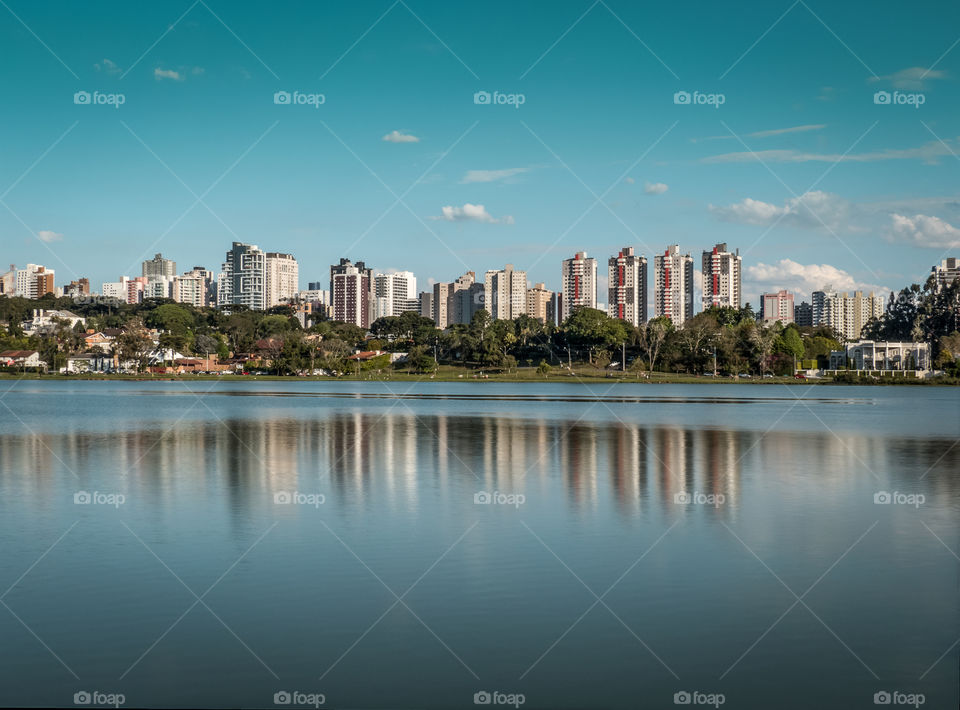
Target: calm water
x=584, y=583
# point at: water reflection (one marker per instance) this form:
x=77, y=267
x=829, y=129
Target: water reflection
x=396, y=457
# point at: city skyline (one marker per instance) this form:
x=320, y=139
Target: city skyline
x=813, y=180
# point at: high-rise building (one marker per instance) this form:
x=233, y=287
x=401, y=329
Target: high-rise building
x=673, y=285
x=394, y=294
x=441, y=304
x=426, y=304
x=721, y=277
x=158, y=266
x=466, y=298
x=627, y=292
x=34, y=281
x=351, y=289
x=505, y=292
x=803, y=314
x=578, y=281
x=282, y=281
x=946, y=272
x=194, y=287
x=242, y=281
x=844, y=313
x=776, y=307
x=538, y=302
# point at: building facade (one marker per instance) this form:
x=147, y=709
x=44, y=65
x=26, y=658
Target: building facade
x=281, y=280
x=505, y=292
x=627, y=292
x=394, y=294
x=721, y=278
x=578, y=280
x=33, y=281
x=946, y=272
x=351, y=293
x=538, y=302
x=803, y=314
x=874, y=355
x=844, y=313
x=243, y=279
x=777, y=307
x=673, y=285
x=158, y=266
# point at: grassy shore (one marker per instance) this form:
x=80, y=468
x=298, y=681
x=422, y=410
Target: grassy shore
x=586, y=374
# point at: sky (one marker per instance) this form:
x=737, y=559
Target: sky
x=818, y=138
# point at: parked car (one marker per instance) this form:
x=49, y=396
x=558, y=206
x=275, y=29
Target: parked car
x=799, y=376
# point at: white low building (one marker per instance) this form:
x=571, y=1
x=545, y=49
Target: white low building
x=44, y=320
x=89, y=362
x=875, y=355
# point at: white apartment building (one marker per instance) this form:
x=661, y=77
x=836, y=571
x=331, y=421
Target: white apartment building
x=115, y=289
x=158, y=287
x=242, y=280
x=578, y=281
x=33, y=281
x=844, y=313
x=721, y=277
x=946, y=272
x=505, y=292
x=282, y=279
x=394, y=294
x=673, y=285
x=627, y=291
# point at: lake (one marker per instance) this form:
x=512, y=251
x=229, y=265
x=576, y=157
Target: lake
x=436, y=545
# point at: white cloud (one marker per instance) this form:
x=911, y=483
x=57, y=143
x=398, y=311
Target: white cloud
x=491, y=175
x=812, y=210
x=928, y=153
x=801, y=279
x=629, y=180
x=45, y=235
x=400, y=137
x=159, y=74
x=107, y=67
x=926, y=231
x=767, y=133
x=655, y=188
x=910, y=78
x=470, y=213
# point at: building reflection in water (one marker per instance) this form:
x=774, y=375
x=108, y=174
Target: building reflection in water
x=396, y=457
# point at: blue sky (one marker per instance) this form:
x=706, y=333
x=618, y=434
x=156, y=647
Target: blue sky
x=799, y=167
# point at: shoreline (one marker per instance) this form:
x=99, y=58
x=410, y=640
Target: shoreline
x=509, y=378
